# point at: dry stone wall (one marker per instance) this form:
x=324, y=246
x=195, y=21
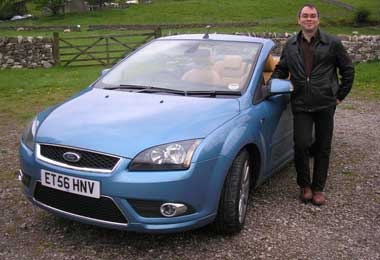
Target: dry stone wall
x=26, y=52
x=361, y=48
x=33, y=52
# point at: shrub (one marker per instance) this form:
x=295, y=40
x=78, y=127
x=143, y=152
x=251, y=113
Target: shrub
x=56, y=7
x=362, y=16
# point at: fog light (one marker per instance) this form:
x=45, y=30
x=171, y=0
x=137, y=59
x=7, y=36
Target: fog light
x=172, y=209
x=24, y=178
x=20, y=175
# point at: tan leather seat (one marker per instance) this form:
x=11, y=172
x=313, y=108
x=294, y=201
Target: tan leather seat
x=232, y=70
x=269, y=67
x=205, y=73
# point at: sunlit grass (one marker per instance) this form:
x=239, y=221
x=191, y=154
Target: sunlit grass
x=24, y=92
x=272, y=15
x=367, y=80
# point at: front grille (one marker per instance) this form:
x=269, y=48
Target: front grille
x=101, y=209
x=88, y=159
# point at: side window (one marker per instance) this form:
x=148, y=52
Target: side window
x=260, y=92
x=269, y=66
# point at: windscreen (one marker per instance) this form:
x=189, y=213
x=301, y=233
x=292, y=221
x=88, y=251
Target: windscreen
x=188, y=65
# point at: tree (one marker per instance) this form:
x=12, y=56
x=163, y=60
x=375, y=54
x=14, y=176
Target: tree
x=100, y=3
x=55, y=6
x=10, y=8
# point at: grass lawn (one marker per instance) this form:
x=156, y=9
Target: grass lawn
x=367, y=80
x=272, y=15
x=24, y=92
x=193, y=11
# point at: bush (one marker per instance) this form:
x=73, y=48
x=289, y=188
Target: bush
x=362, y=16
x=55, y=7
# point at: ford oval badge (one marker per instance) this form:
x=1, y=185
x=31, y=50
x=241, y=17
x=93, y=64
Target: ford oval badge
x=71, y=157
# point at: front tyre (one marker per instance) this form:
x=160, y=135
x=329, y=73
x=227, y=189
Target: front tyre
x=234, y=198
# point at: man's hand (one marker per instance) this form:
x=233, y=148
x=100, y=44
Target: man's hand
x=338, y=101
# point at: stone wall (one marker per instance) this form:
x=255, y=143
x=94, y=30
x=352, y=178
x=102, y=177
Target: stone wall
x=26, y=52
x=54, y=28
x=361, y=48
x=33, y=52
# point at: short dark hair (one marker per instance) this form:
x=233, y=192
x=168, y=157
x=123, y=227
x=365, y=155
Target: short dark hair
x=311, y=6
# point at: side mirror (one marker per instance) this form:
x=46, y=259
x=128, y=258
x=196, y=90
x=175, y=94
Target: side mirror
x=279, y=86
x=104, y=72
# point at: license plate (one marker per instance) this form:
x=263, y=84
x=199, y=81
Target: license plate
x=70, y=184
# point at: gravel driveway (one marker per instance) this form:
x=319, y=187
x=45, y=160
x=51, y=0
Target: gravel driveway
x=278, y=225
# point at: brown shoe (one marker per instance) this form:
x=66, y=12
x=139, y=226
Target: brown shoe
x=319, y=198
x=306, y=194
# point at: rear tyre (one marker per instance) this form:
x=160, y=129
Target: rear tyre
x=234, y=198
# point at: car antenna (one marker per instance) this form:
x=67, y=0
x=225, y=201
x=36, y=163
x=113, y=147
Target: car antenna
x=208, y=27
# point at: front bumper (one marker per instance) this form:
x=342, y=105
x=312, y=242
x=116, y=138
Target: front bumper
x=198, y=187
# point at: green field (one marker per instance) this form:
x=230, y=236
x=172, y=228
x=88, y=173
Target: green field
x=190, y=11
x=272, y=15
x=24, y=92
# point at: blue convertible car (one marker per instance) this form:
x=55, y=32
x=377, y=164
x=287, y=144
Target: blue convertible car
x=171, y=138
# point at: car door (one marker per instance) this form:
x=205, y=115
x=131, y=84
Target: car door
x=280, y=122
x=277, y=127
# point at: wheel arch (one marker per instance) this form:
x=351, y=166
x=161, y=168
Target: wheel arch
x=226, y=219
x=255, y=157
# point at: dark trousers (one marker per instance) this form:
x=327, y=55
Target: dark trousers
x=323, y=123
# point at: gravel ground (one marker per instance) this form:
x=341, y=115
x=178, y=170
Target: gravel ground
x=278, y=225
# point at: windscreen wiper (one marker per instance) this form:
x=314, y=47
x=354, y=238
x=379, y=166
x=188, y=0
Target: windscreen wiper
x=123, y=86
x=213, y=93
x=151, y=89
x=164, y=90
x=148, y=89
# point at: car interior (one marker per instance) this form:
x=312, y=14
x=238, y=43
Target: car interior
x=205, y=72
x=269, y=67
x=231, y=71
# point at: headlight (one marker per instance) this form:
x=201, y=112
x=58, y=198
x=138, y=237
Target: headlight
x=173, y=156
x=29, y=133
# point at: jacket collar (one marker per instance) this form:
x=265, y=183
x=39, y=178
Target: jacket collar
x=321, y=35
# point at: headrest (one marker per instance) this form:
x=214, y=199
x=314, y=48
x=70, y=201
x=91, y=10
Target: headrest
x=202, y=57
x=232, y=62
x=202, y=53
x=276, y=59
x=270, y=64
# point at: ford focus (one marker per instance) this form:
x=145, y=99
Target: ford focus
x=173, y=137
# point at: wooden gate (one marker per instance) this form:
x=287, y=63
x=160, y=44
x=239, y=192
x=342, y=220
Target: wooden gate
x=103, y=50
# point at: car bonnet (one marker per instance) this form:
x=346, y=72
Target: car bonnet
x=126, y=123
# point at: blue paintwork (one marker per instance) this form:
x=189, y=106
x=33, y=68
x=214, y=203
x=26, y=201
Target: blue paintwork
x=109, y=118
x=124, y=124
x=279, y=86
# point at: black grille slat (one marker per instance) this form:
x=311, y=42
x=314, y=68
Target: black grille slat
x=102, y=209
x=88, y=159
x=148, y=209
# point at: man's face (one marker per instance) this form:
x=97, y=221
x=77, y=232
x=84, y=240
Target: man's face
x=308, y=19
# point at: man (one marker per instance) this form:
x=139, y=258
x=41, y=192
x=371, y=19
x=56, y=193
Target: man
x=312, y=58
